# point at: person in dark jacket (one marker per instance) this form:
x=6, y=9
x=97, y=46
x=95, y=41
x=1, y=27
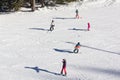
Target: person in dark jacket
x=63, y=70
x=76, y=49
x=52, y=25
x=77, y=14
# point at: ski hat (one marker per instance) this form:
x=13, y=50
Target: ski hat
x=52, y=20
x=78, y=42
x=64, y=59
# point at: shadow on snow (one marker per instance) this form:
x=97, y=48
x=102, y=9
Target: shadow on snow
x=100, y=70
x=63, y=50
x=64, y=18
x=37, y=69
x=39, y=29
x=71, y=43
x=75, y=29
x=103, y=50
x=100, y=49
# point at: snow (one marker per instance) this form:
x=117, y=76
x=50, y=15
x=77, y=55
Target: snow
x=28, y=51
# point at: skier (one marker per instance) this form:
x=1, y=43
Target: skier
x=77, y=46
x=52, y=25
x=77, y=15
x=64, y=68
x=88, y=26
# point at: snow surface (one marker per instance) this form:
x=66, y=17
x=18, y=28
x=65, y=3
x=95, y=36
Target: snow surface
x=28, y=51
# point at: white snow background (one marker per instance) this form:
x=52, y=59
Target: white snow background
x=28, y=51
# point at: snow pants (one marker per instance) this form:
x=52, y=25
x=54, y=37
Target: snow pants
x=52, y=28
x=76, y=50
x=64, y=71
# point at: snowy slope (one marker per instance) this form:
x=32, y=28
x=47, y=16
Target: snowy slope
x=28, y=51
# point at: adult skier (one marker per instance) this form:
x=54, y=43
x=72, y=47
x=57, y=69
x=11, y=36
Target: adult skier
x=63, y=70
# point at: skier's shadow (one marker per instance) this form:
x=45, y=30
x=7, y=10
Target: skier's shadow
x=42, y=29
x=113, y=72
x=37, y=69
x=63, y=50
x=118, y=53
x=94, y=48
x=75, y=29
x=64, y=18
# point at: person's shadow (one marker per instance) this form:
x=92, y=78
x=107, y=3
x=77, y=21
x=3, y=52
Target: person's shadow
x=37, y=69
x=42, y=29
x=76, y=29
x=64, y=18
x=63, y=50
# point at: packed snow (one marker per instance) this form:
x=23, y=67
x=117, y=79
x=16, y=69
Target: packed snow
x=28, y=51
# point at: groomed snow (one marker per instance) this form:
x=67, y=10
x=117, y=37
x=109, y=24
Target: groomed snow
x=28, y=51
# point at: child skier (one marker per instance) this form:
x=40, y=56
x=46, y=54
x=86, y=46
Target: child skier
x=52, y=25
x=77, y=46
x=77, y=15
x=64, y=68
x=88, y=26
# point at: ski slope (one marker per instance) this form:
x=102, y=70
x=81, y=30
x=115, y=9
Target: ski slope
x=28, y=51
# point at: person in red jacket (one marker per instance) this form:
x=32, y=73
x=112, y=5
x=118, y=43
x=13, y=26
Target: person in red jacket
x=63, y=70
x=77, y=46
x=88, y=26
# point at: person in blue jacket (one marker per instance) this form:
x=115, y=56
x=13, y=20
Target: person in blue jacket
x=77, y=14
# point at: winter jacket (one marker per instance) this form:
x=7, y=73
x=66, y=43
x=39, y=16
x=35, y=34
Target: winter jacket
x=64, y=63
